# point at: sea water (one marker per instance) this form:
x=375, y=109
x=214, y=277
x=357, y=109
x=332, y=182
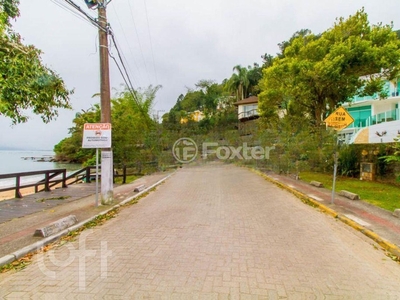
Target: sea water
x=16, y=161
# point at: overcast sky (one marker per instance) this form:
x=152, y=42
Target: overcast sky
x=171, y=43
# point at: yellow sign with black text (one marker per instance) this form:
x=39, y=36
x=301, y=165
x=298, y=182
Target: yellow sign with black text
x=339, y=119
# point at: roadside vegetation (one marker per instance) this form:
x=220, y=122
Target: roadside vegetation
x=383, y=195
x=297, y=88
x=26, y=83
x=129, y=179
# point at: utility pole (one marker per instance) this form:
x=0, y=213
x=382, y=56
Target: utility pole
x=107, y=193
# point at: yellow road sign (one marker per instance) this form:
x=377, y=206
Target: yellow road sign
x=339, y=119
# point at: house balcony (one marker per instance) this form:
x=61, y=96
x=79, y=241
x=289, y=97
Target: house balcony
x=387, y=116
x=382, y=127
x=391, y=93
x=248, y=115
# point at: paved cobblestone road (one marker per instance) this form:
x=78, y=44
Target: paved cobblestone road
x=212, y=232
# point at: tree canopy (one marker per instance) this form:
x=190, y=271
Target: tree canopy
x=316, y=73
x=131, y=128
x=25, y=82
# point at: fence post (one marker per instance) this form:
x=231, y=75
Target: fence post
x=64, y=176
x=124, y=174
x=17, y=184
x=87, y=175
x=46, y=182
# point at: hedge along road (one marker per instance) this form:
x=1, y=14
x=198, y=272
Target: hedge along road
x=216, y=231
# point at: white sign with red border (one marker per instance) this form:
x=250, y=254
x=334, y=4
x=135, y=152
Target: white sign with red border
x=96, y=135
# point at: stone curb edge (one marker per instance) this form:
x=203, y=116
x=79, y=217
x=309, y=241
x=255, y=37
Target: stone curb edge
x=393, y=249
x=7, y=259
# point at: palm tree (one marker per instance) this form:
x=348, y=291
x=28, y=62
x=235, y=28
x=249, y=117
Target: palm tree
x=239, y=82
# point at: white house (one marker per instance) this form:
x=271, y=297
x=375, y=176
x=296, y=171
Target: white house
x=375, y=120
x=247, y=109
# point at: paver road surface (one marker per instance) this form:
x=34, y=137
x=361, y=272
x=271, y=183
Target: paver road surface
x=212, y=232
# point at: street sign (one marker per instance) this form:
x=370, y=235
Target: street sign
x=96, y=135
x=339, y=119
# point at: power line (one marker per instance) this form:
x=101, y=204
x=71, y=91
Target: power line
x=91, y=19
x=126, y=40
x=140, y=45
x=151, y=42
x=125, y=76
x=69, y=9
x=108, y=30
x=120, y=58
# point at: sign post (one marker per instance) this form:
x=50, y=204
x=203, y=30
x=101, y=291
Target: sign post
x=97, y=135
x=338, y=120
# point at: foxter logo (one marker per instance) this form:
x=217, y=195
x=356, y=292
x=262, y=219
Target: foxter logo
x=185, y=150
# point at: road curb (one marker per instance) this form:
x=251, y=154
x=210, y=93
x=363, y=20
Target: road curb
x=388, y=246
x=9, y=258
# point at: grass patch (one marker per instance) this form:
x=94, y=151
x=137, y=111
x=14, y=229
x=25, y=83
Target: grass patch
x=54, y=198
x=129, y=179
x=379, y=194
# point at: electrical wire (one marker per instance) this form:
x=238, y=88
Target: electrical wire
x=126, y=40
x=124, y=73
x=128, y=81
x=125, y=76
x=140, y=45
x=151, y=41
x=91, y=19
x=131, y=90
x=69, y=9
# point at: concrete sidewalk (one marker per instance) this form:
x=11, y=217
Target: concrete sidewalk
x=373, y=218
x=19, y=218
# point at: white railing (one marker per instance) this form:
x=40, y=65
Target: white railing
x=387, y=116
x=248, y=114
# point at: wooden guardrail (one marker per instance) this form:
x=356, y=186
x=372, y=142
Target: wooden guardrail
x=57, y=176
x=50, y=179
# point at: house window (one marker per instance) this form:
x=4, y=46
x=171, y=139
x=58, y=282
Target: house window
x=360, y=115
x=250, y=110
x=398, y=87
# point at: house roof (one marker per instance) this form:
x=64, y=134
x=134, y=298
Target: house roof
x=251, y=99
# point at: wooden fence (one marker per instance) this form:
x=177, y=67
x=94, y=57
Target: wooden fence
x=54, y=177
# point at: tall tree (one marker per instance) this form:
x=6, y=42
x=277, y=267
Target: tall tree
x=316, y=73
x=70, y=148
x=254, y=75
x=25, y=82
x=239, y=82
x=132, y=124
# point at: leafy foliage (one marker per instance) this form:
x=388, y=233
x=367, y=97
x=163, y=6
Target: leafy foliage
x=26, y=83
x=349, y=161
x=316, y=73
x=211, y=99
x=132, y=125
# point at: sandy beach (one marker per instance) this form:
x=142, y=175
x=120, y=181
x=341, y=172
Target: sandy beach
x=11, y=194
x=26, y=191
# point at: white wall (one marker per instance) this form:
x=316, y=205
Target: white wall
x=391, y=129
x=380, y=106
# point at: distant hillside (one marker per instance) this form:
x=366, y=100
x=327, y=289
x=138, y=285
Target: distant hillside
x=6, y=148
